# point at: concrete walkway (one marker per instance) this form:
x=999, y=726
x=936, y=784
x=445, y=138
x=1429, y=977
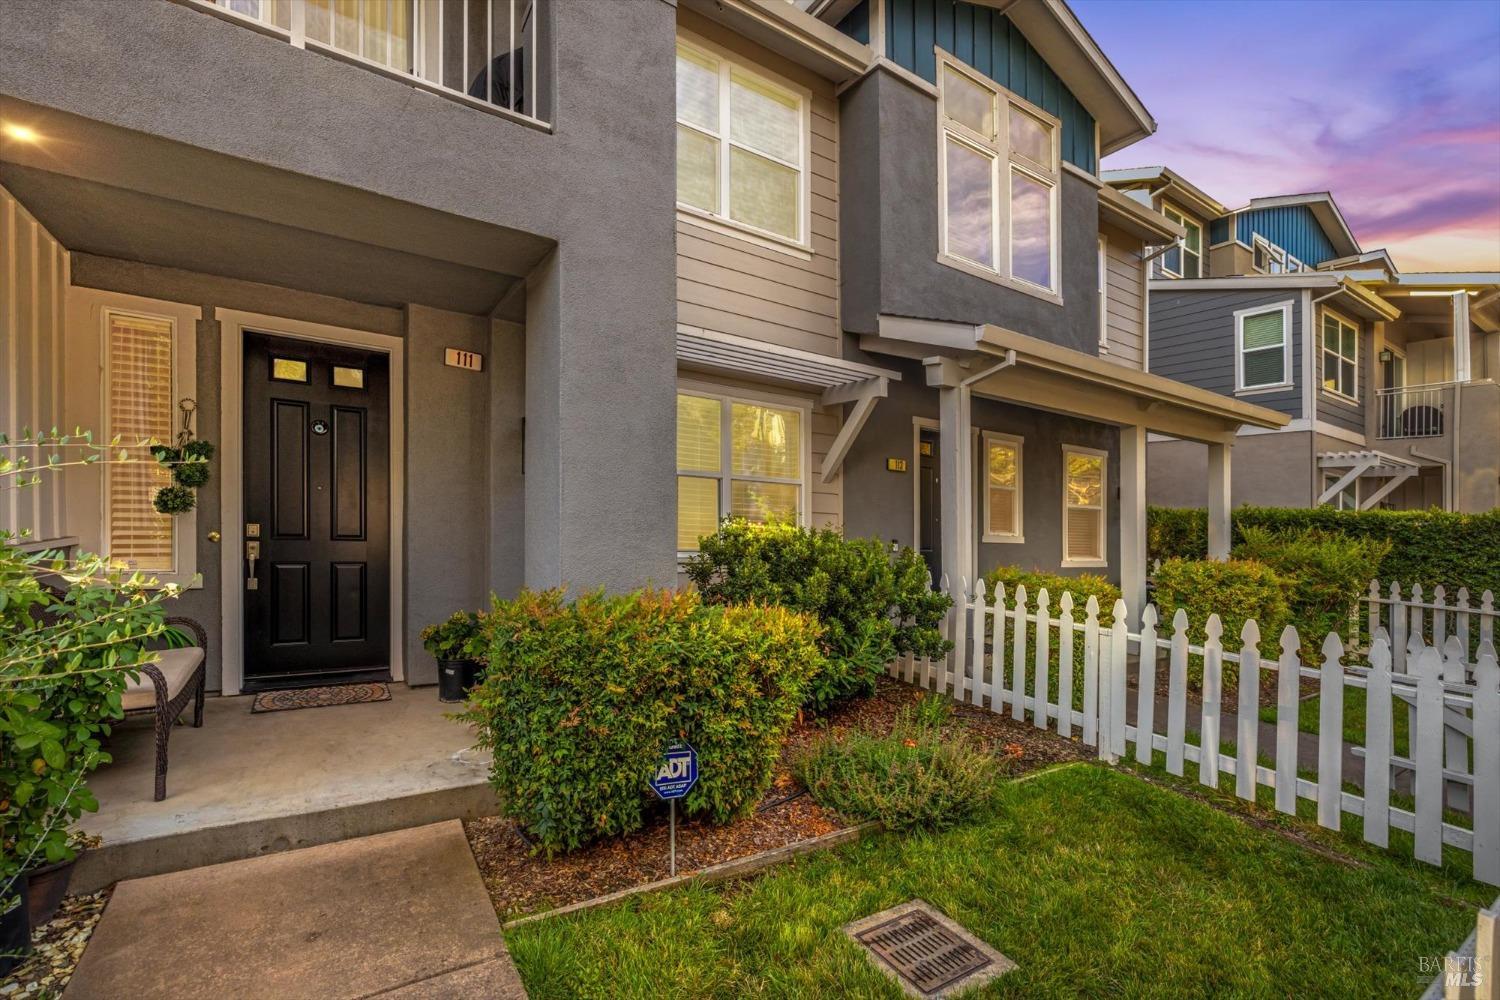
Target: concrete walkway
x=400, y=914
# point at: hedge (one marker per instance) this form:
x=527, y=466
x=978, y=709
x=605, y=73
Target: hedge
x=1429, y=547
x=580, y=700
x=1235, y=590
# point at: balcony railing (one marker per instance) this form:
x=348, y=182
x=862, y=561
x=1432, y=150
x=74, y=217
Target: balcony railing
x=1416, y=411
x=486, y=53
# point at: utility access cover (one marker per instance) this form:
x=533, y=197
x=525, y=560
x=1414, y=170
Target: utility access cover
x=928, y=954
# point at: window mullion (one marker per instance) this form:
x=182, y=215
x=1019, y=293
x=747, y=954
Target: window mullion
x=724, y=140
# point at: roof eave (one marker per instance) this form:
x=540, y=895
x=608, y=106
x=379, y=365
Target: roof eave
x=792, y=32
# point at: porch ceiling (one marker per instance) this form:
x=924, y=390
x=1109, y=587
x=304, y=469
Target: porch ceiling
x=113, y=192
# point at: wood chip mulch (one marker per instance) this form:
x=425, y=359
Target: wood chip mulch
x=521, y=882
x=56, y=948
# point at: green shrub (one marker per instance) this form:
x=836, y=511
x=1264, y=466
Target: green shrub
x=580, y=700
x=1082, y=587
x=1236, y=591
x=1429, y=547
x=873, y=604
x=459, y=637
x=917, y=777
x=1326, y=575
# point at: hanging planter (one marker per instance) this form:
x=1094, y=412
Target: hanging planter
x=188, y=463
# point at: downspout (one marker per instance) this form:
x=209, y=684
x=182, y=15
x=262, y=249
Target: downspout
x=1010, y=359
x=971, y=523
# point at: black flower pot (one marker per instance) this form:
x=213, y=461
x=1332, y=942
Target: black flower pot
x=454, y=677
x=15, y=924
x=46, y=886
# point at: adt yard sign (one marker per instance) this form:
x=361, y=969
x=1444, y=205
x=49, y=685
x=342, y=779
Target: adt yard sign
x=678, y=772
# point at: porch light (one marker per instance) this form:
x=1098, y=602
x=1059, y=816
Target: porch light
x=1386, y=355
x=21, y=133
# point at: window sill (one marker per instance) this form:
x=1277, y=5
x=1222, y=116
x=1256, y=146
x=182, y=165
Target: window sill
x=1002, y=539
x=1261, y=390
x=1340, y=397
x=1085, y=564
x=758, y=237
x=1015, y=284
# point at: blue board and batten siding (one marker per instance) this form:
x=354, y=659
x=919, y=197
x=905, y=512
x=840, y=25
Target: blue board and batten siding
x=986, y=40
x=1218, y=232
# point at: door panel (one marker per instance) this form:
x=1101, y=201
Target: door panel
x=317, y=461
x=929, y=509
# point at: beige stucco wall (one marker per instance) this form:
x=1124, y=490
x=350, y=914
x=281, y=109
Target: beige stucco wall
x=1267, y=470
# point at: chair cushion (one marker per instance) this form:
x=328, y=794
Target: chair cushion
x=176, y=665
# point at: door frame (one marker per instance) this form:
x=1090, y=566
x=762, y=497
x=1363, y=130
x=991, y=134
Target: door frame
x=233, y=325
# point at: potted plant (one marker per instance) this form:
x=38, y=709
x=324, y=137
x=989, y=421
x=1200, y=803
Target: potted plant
x=15, y=923
x=457, y=645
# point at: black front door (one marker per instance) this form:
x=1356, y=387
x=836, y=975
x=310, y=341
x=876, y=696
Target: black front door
x=317, y=512
x=929, y=509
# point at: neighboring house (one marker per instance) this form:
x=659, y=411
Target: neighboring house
x=1390, y=381
x=534, y=295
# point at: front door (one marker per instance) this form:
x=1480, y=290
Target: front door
x=929, y=508
x=317, y=512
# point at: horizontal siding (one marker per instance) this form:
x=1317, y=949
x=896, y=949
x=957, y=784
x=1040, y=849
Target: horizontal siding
x=1123, y=299
x=1193, y=341
x=1335, y=409
x=736, y=285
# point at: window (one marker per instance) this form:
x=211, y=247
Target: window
x=1103, y=291
x=139, y=406
x=1346, y=498
x=999, y=181
x=1340, y=356
x=1002, y=489
x=1185, y=261
x=1083, y=507
x=1265, y=350
x=736, y=457
x=1271, y=259
x=741, y=145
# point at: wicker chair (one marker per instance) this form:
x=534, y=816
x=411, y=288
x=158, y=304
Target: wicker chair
x=164, y=689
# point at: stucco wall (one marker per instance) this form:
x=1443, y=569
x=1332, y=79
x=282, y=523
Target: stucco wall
x=889, y=183
x=881, y=504
x=1266, y=470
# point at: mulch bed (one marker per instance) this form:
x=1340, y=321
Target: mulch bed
x=520, y=882
x=56, y=948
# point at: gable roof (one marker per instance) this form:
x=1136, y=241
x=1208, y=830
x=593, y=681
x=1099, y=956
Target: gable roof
x=1164, y=180
x=1324, y=209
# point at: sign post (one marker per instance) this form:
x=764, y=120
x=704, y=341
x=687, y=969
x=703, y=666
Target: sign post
x=675, y=777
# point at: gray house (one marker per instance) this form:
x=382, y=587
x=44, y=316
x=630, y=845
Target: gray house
x=1390, y=380
x=519, y=293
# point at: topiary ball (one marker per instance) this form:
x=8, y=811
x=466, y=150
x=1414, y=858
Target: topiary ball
x=190, y=474
x=174, y=500
x=165, y=454
x=198, y=449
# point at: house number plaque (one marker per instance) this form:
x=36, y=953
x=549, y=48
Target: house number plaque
x=467, y=360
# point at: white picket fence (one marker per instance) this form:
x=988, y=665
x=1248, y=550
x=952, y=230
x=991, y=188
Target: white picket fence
x=1454, y=705
x=1417, y=619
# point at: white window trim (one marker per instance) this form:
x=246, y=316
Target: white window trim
x=1003, y=163
x=1240, y=315
x=1103, y=561
x=720, y=220
x=727, y=396
x=1323, y=355
x=1103, y=292
x=94, y=307
x=1019, y=444
x=1185, y=220
x=1273, y=252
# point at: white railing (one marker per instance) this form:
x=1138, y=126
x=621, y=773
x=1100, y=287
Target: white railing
x=1416, y=411
x=482, y=52
x=1455, y=708
x=1415, y=618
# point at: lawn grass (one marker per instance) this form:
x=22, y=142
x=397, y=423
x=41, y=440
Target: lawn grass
x=1308, y=715
x=1094, y=881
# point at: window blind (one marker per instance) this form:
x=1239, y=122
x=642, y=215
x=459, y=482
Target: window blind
x=138, y=361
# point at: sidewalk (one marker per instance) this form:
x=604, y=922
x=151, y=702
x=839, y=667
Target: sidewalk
x=400, y=914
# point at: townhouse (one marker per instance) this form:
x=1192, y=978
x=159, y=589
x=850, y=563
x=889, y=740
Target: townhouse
x=1390, y=381
x=512, y=293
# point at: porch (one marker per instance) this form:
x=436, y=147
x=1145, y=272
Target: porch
x=250, y=784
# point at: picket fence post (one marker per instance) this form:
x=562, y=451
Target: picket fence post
x=1427, y=751
x=976, y=658
x=1487, y=615
x=1018, y=657
x=1177, y=694
x=1288, y=681
x=1091, y=672
x=1065, y=665
x=1247, y=712
x=1208, y=732
x=1455, y=742
x=1487, y=767
x=1373, y=615
x=1039, y=716
x=1119, y=654
x=1331, y=734
x=1145, y=705
x=1378, y=742
x=997, y=652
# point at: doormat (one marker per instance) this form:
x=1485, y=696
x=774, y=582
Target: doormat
x=320, y=697
x=929, y=955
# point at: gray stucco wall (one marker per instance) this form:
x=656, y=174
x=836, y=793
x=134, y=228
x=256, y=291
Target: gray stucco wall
x=601, y=416
x=889, y=222
x=1266, y=470
x=879, y=504
x=1193, y=341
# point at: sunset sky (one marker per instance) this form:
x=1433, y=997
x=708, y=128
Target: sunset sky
x=1392, y=105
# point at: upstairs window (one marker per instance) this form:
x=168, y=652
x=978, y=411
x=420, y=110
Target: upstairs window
x=999, y=177
x=742, y=143
x=1185, y=261
x=1271, y=259
x=1265, y=351
x=1340, y=356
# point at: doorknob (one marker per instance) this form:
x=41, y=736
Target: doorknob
x=252, y=553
